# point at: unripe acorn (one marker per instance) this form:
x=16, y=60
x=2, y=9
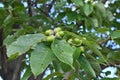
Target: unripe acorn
x=77, y=41
x=70, y=41
x=84, y=38
x=82, y=49
x=57, y=29
x=50, y=38
x=61, y=33
x=49, y=32
x=57, y=35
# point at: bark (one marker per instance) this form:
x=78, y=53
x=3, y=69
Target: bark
x=39, y=77
x=12, y=70
x=30, y=12
x=9, y=70
x=3, y=58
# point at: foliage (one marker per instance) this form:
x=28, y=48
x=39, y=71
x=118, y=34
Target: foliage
x=69, y=38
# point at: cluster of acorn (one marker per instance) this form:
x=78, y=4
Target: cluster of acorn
x=52, y=34
x=75, y=41
x=59, y=33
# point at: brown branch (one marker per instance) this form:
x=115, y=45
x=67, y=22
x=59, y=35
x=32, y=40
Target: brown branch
x=104, y=41
x=17, y=70
x=3, y=58
x=39, y=77
x=29, y=2
x=47, y=9
x=9, y=70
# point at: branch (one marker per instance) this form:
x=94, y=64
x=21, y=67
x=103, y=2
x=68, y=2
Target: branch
x=3, y=58
x=17, y=70
x=39, y=77
x=29, y=2
x=47, y=9
x=104, y=41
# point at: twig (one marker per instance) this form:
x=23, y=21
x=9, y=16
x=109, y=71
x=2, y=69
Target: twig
x=47, y=9
x=104, y=41
x=50, y=6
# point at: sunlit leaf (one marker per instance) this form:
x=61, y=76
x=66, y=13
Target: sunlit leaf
x=101, y=9
x=63, y=51
x=40, y=58
x=115, y=34
x=102, y=30
x=23, y=44
x=88, y=9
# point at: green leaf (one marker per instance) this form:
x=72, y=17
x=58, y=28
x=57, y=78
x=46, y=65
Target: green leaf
x=70, y=16
x=63, y=51
x=96, y=66
x=27, y=74
x=113, y=56
x=12, y=57
x=76, y=53
x=60, y=4
x=56, y=65
x=2, y=16
x=90, y=44
x=117, y=40
x=78, y=2
x=102, y=30
x=8, y=40
x=65, y=67
x=23, y=44
x=110, y=17
x=52, y=75
x=88, y=9
x=7, y=20
x=99, y=16
x=11, y=38
x=40, y=58
x=86, y=65
x=94, y=22
x=115, y=34
x=101, y=9
x=60, y=16
x=110, y=79
x=88, y=23
x=95, y=48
